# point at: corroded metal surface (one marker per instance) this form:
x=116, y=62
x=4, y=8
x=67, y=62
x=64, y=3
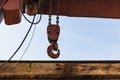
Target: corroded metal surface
x=12, y=13
x=74, y=8
x=58, y=70
x=86, y=8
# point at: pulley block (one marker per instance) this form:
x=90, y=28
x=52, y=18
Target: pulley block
x=31, y=7
x=53, y=32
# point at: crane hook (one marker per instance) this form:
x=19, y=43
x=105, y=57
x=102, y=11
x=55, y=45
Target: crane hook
x=53, y=51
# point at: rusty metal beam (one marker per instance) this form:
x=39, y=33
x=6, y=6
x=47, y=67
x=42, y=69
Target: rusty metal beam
x=81, y=70
x=72, y=8
x=86, y=8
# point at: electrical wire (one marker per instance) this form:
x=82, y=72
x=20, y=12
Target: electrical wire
x=20, y=44
x=25, y=49
x=32, y=23
x=41, y=7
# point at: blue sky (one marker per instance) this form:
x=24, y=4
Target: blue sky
x=81, y=38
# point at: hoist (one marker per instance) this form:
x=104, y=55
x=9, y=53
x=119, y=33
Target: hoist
x=14, y=9
x=53, y=31
x=77, y=8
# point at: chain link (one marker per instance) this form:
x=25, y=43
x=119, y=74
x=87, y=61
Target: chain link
x=50, y=12
x=58, y=11
x=54, y=45
x=49, y=19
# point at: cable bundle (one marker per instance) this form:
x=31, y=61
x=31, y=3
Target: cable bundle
x=32, y=23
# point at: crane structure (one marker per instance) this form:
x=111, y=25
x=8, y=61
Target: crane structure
x=60, y=70
x=12, y=10
x=77, y=8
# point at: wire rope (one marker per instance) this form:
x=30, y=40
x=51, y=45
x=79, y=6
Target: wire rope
x=32, y=23
x=20, y=44
x=34, y=29
x=25, y=49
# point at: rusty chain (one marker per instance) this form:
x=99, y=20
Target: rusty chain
x=53, y=31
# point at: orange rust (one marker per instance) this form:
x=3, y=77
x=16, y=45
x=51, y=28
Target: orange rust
x=12, y=13
x=53, y=32
x=85, y=8
x=74, y=8
x=2, y=3
x=50, y=50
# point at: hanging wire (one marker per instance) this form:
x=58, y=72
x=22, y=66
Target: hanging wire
x=40, y=7
x=50, y=12
x=20, y=44
x=32, y=23
x=25, y=49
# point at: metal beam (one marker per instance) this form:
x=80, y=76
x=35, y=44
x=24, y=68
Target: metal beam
x=86, y=8
x=61, y=70
x=72, y=8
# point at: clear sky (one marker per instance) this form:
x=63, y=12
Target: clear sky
x=81, y=38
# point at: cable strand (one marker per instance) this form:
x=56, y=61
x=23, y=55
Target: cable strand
x=25, y=50
x=34, y=29
x=32, y=23
x=20, y=44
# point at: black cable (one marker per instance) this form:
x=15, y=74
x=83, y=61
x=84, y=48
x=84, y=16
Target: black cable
x=20, y=44
x=32, y=23
x=41, y=7
x=25, y=49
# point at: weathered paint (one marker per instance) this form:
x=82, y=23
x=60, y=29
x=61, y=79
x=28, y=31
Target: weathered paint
x=12, y=13
x=85, y=8
x=61, y=70
x=2, y=2
x=1, y=15
x=74, y=8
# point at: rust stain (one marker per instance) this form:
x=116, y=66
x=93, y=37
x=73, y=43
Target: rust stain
x=60, y=70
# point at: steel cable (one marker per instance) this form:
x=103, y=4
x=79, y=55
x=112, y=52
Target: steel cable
x=25, y=49
x=32, y=23
x=20, y=44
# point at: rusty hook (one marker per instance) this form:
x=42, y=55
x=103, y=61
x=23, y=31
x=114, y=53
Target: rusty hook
x=51, y=50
